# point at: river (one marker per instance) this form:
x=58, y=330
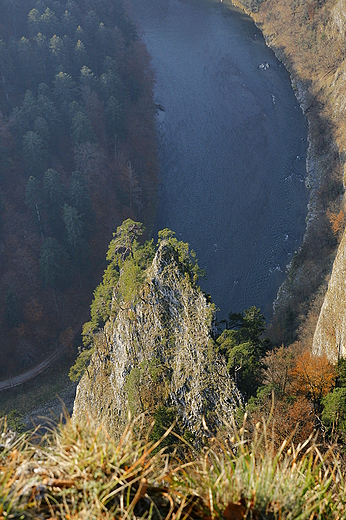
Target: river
x=232, y=148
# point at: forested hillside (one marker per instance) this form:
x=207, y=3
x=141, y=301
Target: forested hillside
x=77, y=155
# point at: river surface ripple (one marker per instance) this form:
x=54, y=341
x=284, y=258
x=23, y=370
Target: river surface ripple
x=232, y=148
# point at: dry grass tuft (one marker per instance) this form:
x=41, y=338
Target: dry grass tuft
x=253, y=479
x=79, y=472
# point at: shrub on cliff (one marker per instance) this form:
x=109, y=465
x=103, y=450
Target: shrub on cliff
x=150, y=342
x=124, y=276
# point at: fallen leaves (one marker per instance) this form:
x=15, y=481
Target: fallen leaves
x=240, y=510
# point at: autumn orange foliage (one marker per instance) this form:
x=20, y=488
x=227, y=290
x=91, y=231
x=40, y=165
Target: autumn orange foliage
x=295, y=381
x=336, y=221
x=312, y=376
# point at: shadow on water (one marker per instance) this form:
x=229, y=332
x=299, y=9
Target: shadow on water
x=232, y=148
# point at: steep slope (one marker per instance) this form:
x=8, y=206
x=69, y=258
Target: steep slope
x=330, y=333
x=154, y=352
x=77, y=155
x=309, y=37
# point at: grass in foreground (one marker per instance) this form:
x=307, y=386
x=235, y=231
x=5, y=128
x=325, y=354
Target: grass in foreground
x=79, y=472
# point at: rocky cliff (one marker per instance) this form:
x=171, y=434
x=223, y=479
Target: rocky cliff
x=155, y=351
x=330, y=333
x=309, y=37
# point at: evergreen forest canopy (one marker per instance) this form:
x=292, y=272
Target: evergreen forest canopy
x=77, y=155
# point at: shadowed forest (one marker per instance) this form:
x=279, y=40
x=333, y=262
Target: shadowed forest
x=77, y=155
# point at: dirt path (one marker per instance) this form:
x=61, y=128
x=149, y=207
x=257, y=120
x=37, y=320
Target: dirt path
x=22, y=378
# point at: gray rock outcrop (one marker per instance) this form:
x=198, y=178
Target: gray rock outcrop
x=158, y=352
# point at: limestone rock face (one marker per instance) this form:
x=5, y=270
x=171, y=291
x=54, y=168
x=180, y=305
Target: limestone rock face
x=330, y=333
x=158, y=351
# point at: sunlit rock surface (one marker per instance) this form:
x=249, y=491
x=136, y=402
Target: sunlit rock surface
x=157, y=351
x=330, y=334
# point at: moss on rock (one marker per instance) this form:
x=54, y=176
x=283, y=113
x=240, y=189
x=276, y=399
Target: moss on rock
x=153, y=351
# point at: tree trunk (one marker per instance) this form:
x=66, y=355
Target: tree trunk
x=55, y=302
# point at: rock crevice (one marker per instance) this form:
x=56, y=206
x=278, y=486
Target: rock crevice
x=159, y=353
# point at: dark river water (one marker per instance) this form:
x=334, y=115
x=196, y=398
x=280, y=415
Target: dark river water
x=232, y=148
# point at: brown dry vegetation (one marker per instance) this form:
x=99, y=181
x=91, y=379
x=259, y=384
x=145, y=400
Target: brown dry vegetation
x=293, y=385
x=79, y=472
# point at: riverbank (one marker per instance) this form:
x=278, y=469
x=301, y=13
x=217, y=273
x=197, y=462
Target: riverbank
x=308, y=41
